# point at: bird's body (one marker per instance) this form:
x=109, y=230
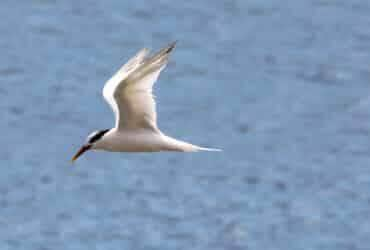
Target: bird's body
x=141, y=140
x=129, y=93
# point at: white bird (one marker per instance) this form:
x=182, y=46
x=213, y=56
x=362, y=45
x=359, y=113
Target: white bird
x=129, y=94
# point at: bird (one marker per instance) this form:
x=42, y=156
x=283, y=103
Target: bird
x=129, y=93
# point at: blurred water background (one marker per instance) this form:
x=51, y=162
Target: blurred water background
x=282, y=86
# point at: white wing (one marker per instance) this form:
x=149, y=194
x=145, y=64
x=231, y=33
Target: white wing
x=129, y=91
x=111, y=85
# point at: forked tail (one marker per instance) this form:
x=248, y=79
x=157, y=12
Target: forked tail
x=177, y=145
x=208, y=149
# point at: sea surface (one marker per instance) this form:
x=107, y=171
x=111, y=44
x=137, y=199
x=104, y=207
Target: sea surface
x=283, y=87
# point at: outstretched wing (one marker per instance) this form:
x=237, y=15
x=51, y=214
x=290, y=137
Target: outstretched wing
x=131, y=94
x=117, y=79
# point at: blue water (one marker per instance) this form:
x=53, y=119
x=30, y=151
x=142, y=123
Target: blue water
x=282, y=87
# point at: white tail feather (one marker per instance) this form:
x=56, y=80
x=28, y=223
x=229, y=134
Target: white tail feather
x=177, y=145
x=209, y=149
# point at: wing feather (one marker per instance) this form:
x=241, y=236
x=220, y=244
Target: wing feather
x=118, y=78
x=132, y=98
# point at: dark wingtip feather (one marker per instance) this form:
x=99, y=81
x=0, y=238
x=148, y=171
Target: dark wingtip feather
x=162, y=54
x=171, y=46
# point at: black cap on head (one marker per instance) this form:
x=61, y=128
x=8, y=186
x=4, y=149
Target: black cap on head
x=96, y=136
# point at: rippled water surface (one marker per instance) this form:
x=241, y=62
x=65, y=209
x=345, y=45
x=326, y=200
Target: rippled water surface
x=282, y=87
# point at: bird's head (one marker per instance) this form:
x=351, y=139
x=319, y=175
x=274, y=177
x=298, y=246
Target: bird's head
x=91, y=141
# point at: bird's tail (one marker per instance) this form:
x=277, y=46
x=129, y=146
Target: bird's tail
x=177, y=145
x=208, y=149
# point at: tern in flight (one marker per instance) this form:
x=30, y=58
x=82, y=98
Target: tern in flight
x=129, y=94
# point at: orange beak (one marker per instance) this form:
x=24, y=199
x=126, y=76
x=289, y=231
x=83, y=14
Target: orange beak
x=82, y=150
